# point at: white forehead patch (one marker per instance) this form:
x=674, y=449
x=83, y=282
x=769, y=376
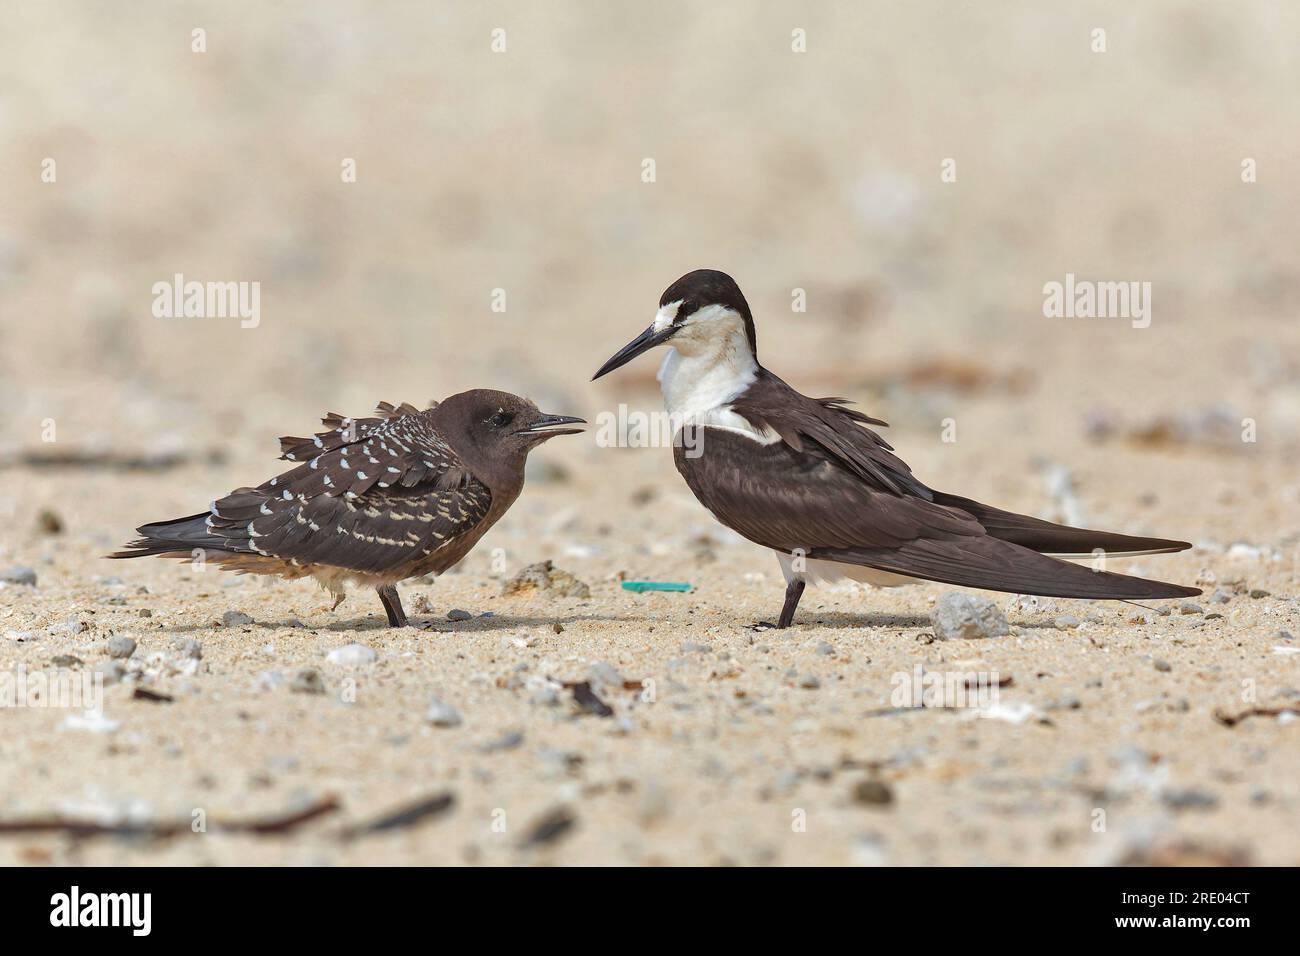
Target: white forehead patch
x=666, y=315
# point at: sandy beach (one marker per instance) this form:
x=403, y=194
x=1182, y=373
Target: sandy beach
x=244, y=722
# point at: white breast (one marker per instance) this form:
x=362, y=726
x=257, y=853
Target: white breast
x=707, y=367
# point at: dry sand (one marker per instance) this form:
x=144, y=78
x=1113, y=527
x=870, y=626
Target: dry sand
x=522, y=172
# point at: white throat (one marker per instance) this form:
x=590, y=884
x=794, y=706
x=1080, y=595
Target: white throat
x=708, y=364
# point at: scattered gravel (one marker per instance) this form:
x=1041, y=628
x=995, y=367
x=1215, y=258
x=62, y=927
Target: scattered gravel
x=958, y=615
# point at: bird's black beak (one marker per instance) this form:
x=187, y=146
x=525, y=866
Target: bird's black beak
x=549, y=425
x=642, y=343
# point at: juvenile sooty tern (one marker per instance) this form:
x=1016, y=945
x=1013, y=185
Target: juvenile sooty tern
x=807, y=477
x=372, y=501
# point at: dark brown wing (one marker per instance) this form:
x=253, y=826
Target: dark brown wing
x=840, y=432
x=824, y=426
x=808, y=501
x=370, y=495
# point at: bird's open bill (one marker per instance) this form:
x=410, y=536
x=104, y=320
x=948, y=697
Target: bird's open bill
x=552, y=425
x=642, y=343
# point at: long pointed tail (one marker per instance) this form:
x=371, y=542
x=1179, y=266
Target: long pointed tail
x=180, y=536
x=995, y=565
x=1056, y=539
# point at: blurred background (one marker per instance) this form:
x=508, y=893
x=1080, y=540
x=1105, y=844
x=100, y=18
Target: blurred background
x=522, y=170
x=800, y=147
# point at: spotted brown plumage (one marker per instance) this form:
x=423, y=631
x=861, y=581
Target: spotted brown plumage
x=811, y=480
x=371, y=501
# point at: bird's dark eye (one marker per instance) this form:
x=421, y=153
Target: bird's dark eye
x=501, y=419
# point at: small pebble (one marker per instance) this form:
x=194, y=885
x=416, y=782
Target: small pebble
x=120, y=646
x=809, y=681
x=545, y=697
x=92, y=720
x=1190, y=607
x=113, y=671
x=235, y=619
x=1220, y=596
x=1258, y=593
x=1162, y=665
x=307, y=681
x=1189, y=800
x=49, y=522
x=967, y=616
x=456, y=614
x=188, y=647
x=507, y=741
x=1066, y=622
x=872, y=793
x=269, y=680
x=144, y=612
x=442, y=715
x=549, y=828
x=352, y=655
x=18, y=575
x=602, y=676
x=825, y=650
x=1068, y=702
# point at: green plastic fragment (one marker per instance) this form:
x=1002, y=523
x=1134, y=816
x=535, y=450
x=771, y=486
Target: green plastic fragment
x=640, y=586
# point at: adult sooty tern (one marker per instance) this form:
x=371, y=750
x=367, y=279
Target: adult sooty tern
x=809, y=479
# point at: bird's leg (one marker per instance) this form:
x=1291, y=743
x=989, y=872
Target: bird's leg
x=393, y=605
x=793, y=592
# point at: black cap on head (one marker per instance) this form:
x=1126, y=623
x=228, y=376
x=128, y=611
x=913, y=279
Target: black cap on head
x=694, y=291
x=705, y=287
